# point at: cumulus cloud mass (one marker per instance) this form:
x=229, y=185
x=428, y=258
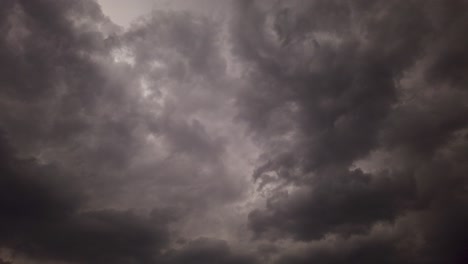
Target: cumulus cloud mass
x=233, y=132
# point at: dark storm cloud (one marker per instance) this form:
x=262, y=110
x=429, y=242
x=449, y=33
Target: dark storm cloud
x=4, y=262
x=336, y=202
x=204, y=250
x=41, y=218
x=339, y=89
x=123, y=146
x=332, y=83
x=67, y=102
x=43, y=59
x=372, y=250
x=70, y=99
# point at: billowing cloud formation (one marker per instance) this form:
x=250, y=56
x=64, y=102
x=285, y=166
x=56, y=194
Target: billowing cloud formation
x=365, y=126
x=41, y=218
x=287, y=132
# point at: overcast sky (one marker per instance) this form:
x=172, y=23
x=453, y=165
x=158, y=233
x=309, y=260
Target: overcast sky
x=233, y=132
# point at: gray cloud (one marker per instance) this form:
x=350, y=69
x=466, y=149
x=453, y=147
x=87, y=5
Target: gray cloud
x=41, y=218
x=204, y=250
x=286, y=132
x=331, y=84
x=336, y=202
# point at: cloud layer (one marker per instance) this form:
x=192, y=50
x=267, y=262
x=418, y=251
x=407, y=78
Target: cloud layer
x=286, y=132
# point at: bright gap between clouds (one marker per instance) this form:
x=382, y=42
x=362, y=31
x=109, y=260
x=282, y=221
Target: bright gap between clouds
x=124, y=12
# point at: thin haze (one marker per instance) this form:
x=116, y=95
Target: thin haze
x=233, y=132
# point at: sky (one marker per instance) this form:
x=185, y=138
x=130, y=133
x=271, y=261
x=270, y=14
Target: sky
x=233, y=132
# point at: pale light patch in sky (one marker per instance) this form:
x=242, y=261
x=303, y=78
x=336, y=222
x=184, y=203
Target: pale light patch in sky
x=145, y=91
x=123, y=55
x=375, y=162
x=124, y=12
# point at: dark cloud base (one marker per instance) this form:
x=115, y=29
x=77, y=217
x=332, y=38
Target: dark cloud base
x=357, y=102
x=358, y=108
x=41, y=219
